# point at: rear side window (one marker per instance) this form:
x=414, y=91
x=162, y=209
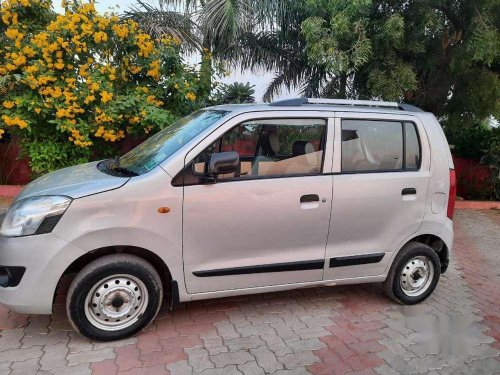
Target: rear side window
x=371, y=145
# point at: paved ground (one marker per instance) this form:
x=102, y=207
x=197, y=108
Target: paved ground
x=353, y=330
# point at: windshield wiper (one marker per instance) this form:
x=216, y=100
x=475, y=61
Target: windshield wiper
x=125, y=171
x=116, y=168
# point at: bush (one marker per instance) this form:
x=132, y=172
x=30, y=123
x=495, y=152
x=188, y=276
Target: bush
x=75, y=84
x=479, y=142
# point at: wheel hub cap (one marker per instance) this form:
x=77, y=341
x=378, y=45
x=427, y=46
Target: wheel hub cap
x=116, y=302
x=416, y=276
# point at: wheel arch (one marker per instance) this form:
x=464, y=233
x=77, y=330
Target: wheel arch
x=437, y=244
x=149, y=256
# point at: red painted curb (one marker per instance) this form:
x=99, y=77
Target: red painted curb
x=10, y=190
x=477, y=205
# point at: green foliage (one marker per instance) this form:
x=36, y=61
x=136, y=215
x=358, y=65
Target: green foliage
x=492, y=158
x=87, y=80
x=52, y=154
x=235, y=93
x=472, y=142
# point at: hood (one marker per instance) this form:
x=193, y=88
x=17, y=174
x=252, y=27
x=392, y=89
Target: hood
x=75, y=182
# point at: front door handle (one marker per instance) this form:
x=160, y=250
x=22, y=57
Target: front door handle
x=409, y=191
x=309, y=198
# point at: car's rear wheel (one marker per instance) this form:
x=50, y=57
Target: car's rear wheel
x=414, y=274
x=114, y=297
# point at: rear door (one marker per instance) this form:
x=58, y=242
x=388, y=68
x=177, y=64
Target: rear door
x=380, y=183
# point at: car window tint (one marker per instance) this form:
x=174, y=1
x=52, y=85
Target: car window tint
x=412, y=152
x=369, y=145
x=272, y=148
x=287, y=147
x=242, y=139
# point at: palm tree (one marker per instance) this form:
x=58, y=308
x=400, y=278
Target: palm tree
x=244, y=34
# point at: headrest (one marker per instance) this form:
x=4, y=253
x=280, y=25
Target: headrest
x=274, y=142
x=302, y=148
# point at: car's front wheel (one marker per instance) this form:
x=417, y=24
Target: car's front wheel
x=414, y=274
x=114, y=297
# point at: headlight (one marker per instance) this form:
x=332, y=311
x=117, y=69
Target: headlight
x=35, y=215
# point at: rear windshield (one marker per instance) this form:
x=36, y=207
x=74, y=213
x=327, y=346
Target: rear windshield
x=163, y=144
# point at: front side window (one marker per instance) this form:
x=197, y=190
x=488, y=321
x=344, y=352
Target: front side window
x=269, y=148
x=165, y=143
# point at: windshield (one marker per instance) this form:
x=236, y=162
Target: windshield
x=163, y=144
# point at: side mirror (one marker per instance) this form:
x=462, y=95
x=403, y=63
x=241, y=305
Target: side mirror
x=223, y=162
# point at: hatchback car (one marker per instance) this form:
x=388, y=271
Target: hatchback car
x=237, y=199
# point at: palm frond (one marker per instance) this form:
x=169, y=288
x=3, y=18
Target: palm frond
x=161, y=21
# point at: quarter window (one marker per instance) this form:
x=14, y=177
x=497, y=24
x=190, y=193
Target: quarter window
x=370, y=145
x=412, y=152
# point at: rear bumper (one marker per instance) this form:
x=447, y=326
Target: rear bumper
x=45, y=258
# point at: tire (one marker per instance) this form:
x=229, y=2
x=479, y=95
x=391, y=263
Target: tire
x=122, y=288
x=418, y=282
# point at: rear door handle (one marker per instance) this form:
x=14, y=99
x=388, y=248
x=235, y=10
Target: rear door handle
x=409, y=191
x=309, y=198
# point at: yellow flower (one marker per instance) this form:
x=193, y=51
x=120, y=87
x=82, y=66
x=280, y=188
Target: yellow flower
x=106, y=96
x=100, y=36
x=14, y=121
x=38, y=110
x=154, y=69
x=59, y=65
x=120, y=30
x=13, y=34
x=8, y=104
x=89, y=99
x=1, y=133
x=191, y=96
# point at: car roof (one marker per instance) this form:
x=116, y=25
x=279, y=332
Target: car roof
x=328, y=105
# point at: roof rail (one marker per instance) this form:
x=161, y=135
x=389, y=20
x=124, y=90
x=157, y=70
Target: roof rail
x=346, y=102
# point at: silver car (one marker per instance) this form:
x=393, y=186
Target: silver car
x=237, y=199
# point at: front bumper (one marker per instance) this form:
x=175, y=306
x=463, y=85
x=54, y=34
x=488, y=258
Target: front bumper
x=45, y=258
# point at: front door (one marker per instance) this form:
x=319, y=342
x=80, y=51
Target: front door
x=379, y=192
x=267, y=224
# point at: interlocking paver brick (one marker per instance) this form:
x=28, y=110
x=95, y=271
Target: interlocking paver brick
x=240, y=343
x=11, y=339
x=107, y=367
x=88, y=356
x=276, y=344
x=199, y=359
x=291, y=361
x=266, y=359
x=127, y=357
x=82, y=369
x=54, y=356
x=342, y=330
x=255, y=330
x=14, y=355
x=233, y=358
x=45, y=339
x=180, y=368
x=251, y=368
x=229, y=370
x=306, y=345
x=28, y=367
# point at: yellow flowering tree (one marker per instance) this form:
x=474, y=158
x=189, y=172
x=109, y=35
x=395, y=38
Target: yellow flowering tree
x=72, y=85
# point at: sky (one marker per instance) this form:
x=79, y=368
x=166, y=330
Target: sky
x=259, y=79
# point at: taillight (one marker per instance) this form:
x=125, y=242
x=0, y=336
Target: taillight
x=452, y=195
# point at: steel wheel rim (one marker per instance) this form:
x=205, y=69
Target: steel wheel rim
x=416, y=276
x=116, y=302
